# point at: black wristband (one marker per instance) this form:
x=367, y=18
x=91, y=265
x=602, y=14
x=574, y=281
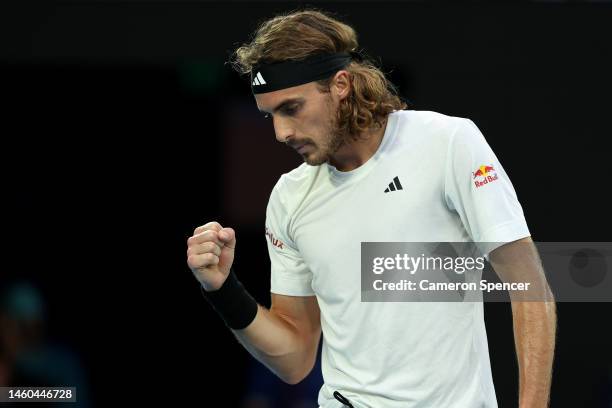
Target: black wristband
x=232, y=302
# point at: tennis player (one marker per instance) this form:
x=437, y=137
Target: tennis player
x=373, y=171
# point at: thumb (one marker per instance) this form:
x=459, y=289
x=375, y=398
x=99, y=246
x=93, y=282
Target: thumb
x=228, y=237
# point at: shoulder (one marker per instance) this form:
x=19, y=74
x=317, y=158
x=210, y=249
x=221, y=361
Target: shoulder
x=293, y=185
x=427, y=130
x=431, y=121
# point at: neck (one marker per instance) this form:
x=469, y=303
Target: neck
x=354, y=154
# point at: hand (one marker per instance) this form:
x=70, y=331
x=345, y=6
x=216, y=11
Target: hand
x=210, y=254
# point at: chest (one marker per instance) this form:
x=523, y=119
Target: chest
x=393, y=203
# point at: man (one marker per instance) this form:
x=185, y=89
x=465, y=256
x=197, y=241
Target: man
x=373, y=172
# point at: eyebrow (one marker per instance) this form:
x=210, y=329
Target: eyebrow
x=284, y=103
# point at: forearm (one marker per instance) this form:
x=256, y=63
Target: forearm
x=534, y=335
x=278, y=345
x=285, y=338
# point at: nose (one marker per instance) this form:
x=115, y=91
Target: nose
x=283, y=130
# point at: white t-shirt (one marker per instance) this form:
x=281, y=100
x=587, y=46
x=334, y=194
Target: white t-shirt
x=395, y=354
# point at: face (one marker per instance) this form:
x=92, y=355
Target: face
x=304, y=118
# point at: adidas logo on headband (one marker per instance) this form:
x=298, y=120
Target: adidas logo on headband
x=258, y=80
x=290, y=73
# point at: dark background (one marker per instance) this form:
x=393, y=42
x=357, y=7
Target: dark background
x=123, y=130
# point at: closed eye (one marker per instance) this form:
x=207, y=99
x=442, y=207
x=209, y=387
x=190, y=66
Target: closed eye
x=285, y=109
x=290, y=110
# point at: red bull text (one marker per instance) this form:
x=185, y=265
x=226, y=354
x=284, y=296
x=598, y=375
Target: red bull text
x=484, y=175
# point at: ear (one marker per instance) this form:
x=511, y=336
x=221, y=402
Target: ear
x=341, y=84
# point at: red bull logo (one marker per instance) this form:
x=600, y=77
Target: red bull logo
x=485, y=174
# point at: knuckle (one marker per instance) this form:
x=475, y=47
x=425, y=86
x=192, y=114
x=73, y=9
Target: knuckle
x=211, y=235
x=203, y=236
x=192, y=261
x=210, y=258
x=192, y=250
x=210, y=246
x=203, y=257
x=215, y=225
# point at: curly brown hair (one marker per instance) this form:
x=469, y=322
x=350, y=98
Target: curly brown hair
x=300, y=34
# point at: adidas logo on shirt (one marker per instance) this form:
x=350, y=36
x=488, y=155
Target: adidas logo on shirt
x=394, y=185
x=258, y=79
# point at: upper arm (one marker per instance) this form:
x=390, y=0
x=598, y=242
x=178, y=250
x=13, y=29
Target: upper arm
x=289, y=274
x=303, y=313
x=478, y=188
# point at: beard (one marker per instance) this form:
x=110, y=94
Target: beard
x=337, y=138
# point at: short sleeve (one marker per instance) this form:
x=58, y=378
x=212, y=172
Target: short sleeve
x=289, y=273
x=479, y=190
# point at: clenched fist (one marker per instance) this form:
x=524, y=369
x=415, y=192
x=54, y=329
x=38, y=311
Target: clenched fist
x=210, y=254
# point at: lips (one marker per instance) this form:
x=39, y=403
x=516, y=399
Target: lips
x=302, y=148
